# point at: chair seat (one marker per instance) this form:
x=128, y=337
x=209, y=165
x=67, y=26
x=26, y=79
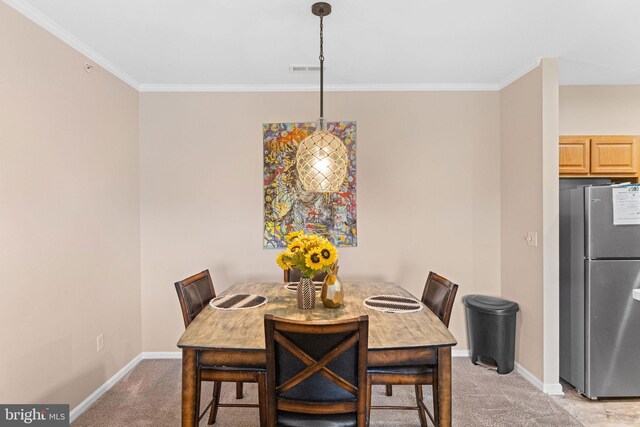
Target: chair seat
x=292, y=419
x=401, y=370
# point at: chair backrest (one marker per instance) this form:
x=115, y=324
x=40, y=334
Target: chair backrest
x=293, y=275
x=316, y=371
x=194, y=293
x=439, y=294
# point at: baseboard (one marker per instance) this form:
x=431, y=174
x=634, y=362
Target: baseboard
x=529, y=376
x=552, y=389
x=75, y=412
x=548, y=388
x=460, y=353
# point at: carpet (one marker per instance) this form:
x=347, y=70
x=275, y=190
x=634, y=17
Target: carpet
x=149, y=395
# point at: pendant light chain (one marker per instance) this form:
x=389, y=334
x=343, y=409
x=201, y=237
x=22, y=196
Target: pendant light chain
x=321, y=69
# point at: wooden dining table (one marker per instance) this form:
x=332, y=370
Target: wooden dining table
x=236, y=337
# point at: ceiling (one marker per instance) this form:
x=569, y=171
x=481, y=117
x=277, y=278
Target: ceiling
x=369, y=44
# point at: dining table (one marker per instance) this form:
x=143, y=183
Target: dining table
x=231, y=338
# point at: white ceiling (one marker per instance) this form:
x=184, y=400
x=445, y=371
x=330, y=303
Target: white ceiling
x=369, y=44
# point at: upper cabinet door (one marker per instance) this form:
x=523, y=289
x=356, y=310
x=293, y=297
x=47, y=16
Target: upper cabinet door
x=574, y=155
x=614, y=155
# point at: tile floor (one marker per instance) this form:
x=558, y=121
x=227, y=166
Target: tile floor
x=600, y=413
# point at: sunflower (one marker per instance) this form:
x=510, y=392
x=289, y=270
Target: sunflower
x=309, y=242
x=282, y=261
x=295, y=246
x=328, y=253
x=313, y=260
x=290, y=237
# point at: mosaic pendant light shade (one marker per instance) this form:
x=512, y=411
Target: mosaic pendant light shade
x=322, y=162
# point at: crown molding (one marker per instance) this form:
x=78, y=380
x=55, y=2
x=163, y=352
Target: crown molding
x=41, y=20
x=519, y=73
x=455, y=87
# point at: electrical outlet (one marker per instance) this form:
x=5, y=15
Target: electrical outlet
x=532, y=239
x=100, y=342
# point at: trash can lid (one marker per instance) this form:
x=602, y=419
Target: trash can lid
x=491, y=305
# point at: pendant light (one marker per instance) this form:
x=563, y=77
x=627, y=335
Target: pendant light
x=322, y=157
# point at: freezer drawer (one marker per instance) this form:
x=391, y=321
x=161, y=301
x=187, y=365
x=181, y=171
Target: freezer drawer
x=612, y=329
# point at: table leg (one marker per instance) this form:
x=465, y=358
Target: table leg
x=262, y=399
x=189, y=388
x=444, y=386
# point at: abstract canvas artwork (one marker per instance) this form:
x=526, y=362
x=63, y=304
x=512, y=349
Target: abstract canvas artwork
x=287, y=207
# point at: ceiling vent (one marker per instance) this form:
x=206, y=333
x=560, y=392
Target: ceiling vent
x=304, y=68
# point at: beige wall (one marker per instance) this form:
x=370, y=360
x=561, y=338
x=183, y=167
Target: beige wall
x=551, y=223
x=600, y=110
x=428, y=192
x=529, y=202
x=69, y=219
x=521, y=211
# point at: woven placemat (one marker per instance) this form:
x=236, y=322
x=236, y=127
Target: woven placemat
x=393, y=304
x=238, y=301
x=293, y=286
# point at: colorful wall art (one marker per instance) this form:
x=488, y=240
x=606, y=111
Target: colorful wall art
x=287, y=207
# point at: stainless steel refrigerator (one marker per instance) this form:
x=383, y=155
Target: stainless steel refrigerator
x=599, y=317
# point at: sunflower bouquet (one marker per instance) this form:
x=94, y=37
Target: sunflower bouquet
x=308, y=253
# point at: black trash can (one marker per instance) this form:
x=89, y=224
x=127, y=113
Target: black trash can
x=491, y=323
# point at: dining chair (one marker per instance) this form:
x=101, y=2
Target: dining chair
x=194, y=293
x=293, y=275
x=316, y=372
x=438, y=295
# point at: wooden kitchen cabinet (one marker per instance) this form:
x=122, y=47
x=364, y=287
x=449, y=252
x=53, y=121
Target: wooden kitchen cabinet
x=614, y=155
x=599, y=156
x=574, y=155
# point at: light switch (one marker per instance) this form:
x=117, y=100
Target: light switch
x=532, y=239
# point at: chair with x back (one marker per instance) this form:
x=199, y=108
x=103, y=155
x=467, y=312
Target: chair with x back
x=438, y=295
x=316, y=372
x=194, y=293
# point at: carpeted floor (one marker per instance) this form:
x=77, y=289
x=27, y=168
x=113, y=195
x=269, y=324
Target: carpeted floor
x=150, y=396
